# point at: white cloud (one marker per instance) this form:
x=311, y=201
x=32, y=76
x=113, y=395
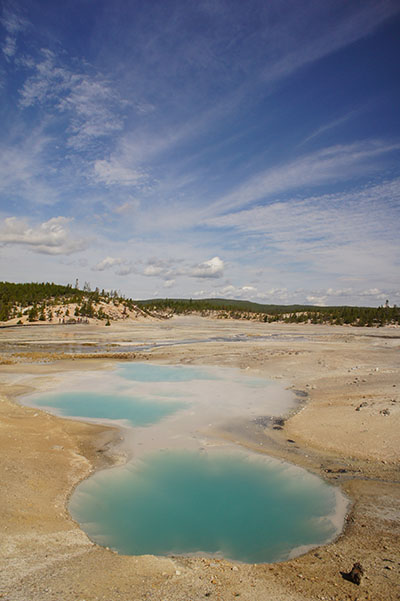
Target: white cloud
x=274, y=295
x=126, y=269
x=51, y=237
x=107, y=263
x=333, y=124
x=213, y=268
x=170, y=269
x=90, y=102
x=13, y=24
x=296, y=47
x=154, y=270
x=112, y=172
x=127, y=207
x=22, y=172
x=352, y=234
x=329, y=165
x=9, y=47
x=316, y=300
x=240, y=292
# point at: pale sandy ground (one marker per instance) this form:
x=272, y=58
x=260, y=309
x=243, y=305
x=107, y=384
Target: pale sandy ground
x=45, y=556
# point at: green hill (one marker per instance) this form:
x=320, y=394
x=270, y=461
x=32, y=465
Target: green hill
x=239, y=309
x=36, y=300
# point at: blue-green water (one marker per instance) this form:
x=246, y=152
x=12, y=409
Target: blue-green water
x=147, y=372
x=174, y=502
x=183, y=501
x=135, y=411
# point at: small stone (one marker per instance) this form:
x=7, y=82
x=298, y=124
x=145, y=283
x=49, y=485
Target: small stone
x=355, y=575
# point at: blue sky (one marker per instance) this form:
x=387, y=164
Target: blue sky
x=216, y=148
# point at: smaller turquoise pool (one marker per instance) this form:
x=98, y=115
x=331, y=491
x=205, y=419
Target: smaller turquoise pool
x=134, y=411
x=147, y=372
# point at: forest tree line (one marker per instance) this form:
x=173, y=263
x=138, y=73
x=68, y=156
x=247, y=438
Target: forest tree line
x=40, y=297
x=232, y=309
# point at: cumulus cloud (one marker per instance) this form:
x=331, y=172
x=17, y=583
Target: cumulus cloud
x=125, y=269
x=169, y=283
x=246, y=292
x=214, y=268
x=154, y=270
x=107, y=263
x=170, y=269
x=319, y=301
x=51, y=237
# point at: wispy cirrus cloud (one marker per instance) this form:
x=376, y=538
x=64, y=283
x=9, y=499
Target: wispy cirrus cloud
x=13, y=23
x=294, y=46
x=329, y=165
x=22, y=173
x=332, y=124
x=187, y=140
x=51, y=237
x=329, y=217
x=93, y=107
x=351, y=234
x=112, y=172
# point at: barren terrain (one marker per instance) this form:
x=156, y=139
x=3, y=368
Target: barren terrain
x=345, y=429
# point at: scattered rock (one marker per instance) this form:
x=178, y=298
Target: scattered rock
x=361, y=405
x=355, y=575
x=384, y=412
